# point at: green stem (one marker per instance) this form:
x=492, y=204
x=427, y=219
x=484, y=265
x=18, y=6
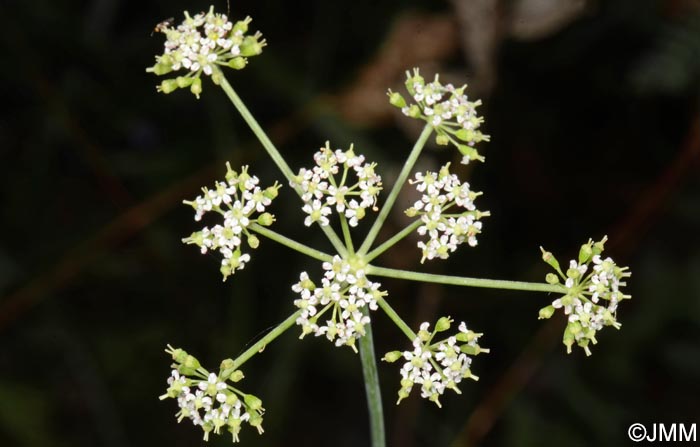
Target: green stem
x=374, y=395
x=390, y=243
x=391, y=313
x=464, y=281
x=403, y=175
x=346, y=234
x=274, y=154
x=260, y=344
x=291, y=243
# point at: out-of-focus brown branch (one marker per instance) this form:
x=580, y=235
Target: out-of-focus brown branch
x=625, y=235
x=75, y=260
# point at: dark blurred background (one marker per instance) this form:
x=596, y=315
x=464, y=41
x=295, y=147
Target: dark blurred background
x=593, y=111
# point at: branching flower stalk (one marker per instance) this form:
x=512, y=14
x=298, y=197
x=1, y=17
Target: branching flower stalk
x=342, y=188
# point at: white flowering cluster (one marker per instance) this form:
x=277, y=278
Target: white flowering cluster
x=322, y=190
x=236, y=199
x=444, y=192
x=208, y=400
x=199, y=44
x=437, y=366
x=592, y=294
x=343, y=296
x=447, y=109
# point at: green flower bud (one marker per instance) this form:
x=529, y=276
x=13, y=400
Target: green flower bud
x=266, y=219
x=253, y=241
x=272, y=192
x=550, y=259
x=392, y=356
x=168, y=86
x=183, y=81
x=196, y=87
x=546, y=312
x=191, y=362
x=551, y=278
x=443, y=324
x=467, y=135
x=179, y=355
x=231, y=399
x=396, y=100
x=585, y=253
x=360, y=213
x=242, y=25
x=442, y=140
x=251, y=46
x=238, y=63
x=411, y=212
x=599, y=246
x=414, y=111
x=472, y=350
x=252, y=402
x=236, y=376
x=230, y=173
x=160, y=68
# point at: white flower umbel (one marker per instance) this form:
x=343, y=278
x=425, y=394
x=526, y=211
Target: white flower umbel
x=236, y=199
x=593, y=293
x=447, y=212
x=202, y=43
x=327, y=185
x=208, y=400
x=447, y=109
x=437, y=365
x=340, y=302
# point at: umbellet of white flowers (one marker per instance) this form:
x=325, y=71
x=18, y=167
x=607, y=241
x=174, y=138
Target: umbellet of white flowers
x=593, y=293
x=208, y=400
x=447, y=211
x=437, y=365
x=202, y=43
x=236, y=199
x=447, y=109
x=342, y=302
x=322, y=190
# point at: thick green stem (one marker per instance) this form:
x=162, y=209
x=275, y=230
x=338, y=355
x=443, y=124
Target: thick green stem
x=390, y=242
x=465, y=281
x=374, y=395
x=291, y=243
x=403, y=175
x=274, y=154
x=391, y=313
x=260, y=344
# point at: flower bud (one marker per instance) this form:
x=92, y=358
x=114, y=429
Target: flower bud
x=546, y=312
x=442, y=140
x=236, y=376
x=443, y=324
x=549, y=258
x=196, y=87
x=411, y=212
x=396, y=100
x=585, y=253
x=160, y=68
x=168, y=86
x=272, y=192
x=253, y=241
x=238, y=63
x=414, y=111
x=183, y=81
x=551, y=278
x=466, y=135
x=252, y=402
x=266, y=219
x=392, y=356
x=251, y=46
x=242, y=25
